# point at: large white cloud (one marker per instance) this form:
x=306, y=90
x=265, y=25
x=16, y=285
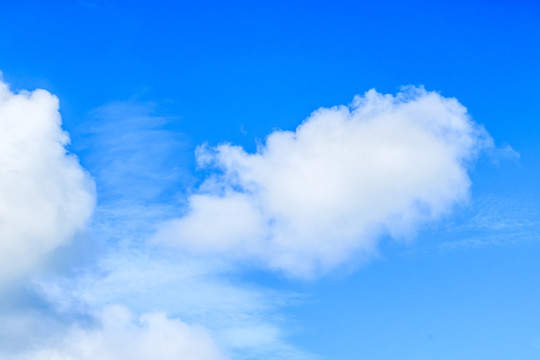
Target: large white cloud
x=116, y=335
x=309, y=199
x=45, y=195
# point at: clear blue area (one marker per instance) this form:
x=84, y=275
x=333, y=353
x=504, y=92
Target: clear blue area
x=233, y=71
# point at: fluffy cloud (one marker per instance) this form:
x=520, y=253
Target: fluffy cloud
x=117, y=336
x=309, y=199
x=45, y=195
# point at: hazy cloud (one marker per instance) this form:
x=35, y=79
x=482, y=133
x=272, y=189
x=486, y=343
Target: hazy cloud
x=117, y=335
x=243, y=319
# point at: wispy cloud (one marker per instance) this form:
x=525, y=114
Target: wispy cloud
x=243, y=318
x=136, y=160
x=494, y=221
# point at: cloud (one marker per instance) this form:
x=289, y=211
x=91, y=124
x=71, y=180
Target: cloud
x=244, y=319
x=309, y=199
x=136, y=159
x=116, y=335
x=131, y=151
x=45, y=195
x=493, y=220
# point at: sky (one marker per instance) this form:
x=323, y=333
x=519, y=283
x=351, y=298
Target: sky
x=269, y=180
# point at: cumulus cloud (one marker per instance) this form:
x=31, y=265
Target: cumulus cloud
x=309, y=199
x=45, y=195
x=116, y=335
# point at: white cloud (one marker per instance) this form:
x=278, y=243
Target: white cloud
x=309, y=199
x=134, y=159
x=118, y=336
x=244, y=319
x=45, y=195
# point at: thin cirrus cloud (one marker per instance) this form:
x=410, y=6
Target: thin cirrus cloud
x=308, y=199
x=45, y=195
x=137, y=163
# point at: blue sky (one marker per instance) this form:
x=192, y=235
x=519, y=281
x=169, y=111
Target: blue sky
x=199, y=220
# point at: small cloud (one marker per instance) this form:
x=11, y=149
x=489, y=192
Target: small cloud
x=503, y=153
